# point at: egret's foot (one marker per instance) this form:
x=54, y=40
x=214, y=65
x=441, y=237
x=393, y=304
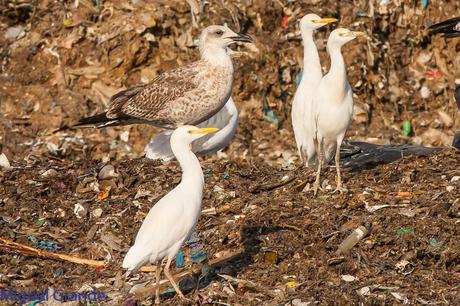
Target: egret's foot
x=316, y=186
x=341, y=189
x=157, y=300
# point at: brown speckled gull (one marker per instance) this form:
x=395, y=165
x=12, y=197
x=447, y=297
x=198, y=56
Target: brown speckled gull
x=187, y=95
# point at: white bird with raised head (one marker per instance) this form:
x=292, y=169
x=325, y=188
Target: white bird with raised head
x=311, y=76
x=171, y=221
x=333, y=106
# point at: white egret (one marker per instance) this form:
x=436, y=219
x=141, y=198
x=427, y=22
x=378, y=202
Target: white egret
x=333, y=105
x=226, y=120
x=171, y=221
x=187, y=95
x=311, y=76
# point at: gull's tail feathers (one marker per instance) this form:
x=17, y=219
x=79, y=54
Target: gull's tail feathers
x=98, y=121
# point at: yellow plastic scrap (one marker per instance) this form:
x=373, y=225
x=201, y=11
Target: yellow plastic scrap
x=102, y=195
x=68, y=23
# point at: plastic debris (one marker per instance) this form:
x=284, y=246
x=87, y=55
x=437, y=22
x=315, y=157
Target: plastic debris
x=80, y=211
x=424, y=4
x=39, y=222
x=405, y=231
x=270, y=116
x=180, y=259
x=284, y=22
x=102, y=195
x=407, y=128
x=43, y=244
x=199, y=257
x=352, y=240
x=434, y=243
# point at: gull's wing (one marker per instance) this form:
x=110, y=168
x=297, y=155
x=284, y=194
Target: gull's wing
x=148, y=103
x=450, y=27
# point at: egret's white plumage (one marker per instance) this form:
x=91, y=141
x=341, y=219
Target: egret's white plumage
x=333, y=105
x=311, y=76
x=226, y=120
x=171, y=221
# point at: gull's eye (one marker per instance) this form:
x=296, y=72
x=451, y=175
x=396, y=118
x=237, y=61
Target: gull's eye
x=219, y=32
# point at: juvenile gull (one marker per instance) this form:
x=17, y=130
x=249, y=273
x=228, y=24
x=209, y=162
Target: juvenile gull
x=187, y=95
x=173, y=218
x=226, y=120
x=333, y=105
x=302, y=122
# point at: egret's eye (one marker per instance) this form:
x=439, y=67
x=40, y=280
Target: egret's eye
x=219, y=32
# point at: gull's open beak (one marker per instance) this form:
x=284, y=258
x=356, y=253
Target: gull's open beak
x=325, y=20
x=242, y=38
x=204, y=131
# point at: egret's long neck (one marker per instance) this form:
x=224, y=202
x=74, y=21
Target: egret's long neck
x=191, y=169
x=311, y=62
x=338, y=72
x=216, y=55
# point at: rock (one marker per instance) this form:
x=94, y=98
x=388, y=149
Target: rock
x=14, y=33
x=50, y=173
x=97, y=213
x=107, y=172
x=4, y=162
x=80, y=211
x=425, y=92
x=445, y=118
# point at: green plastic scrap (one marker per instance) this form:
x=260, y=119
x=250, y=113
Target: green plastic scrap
x=407, y=128
x=405, y=231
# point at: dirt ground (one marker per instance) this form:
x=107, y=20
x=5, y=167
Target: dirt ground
x=60, y=62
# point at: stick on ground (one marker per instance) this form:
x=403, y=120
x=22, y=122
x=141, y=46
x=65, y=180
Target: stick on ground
x=24, y=249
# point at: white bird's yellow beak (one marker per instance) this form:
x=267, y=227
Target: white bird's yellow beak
x=325, y=20
x=204, y=131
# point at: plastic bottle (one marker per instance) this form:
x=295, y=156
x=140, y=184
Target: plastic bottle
x=352, y=240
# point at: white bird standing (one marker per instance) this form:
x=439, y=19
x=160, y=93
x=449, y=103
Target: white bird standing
x=171, y=221
x=333, y=105
x=311, y=76
x=226, y=120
